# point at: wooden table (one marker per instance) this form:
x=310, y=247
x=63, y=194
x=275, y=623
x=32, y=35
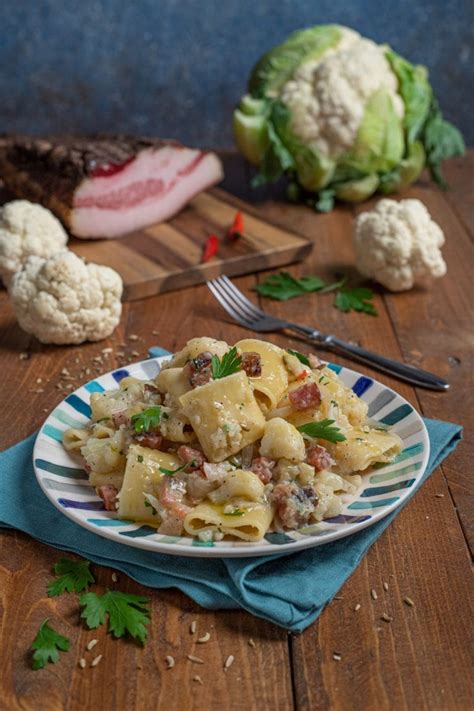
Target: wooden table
x=418, y=661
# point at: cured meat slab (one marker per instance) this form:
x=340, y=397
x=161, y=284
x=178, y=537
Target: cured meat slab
x=167, y=256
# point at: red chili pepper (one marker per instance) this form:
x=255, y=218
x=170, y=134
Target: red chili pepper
x=302, y=375
x=236, y=230
x=211, y=246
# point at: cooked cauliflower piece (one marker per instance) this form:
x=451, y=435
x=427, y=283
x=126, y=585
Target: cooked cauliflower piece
x=397, y=244
x=63, y=300
x=27, y=229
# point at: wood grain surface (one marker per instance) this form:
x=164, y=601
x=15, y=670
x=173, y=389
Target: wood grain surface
x=167, y=256
x=421, y=660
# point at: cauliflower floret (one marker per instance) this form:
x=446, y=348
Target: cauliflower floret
x=63, y=300
x=397, y=243
x=27, y=229
x=282, y=440
x=327, y=96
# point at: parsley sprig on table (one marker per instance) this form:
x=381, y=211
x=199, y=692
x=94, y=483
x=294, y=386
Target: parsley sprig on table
x=146, y=420
x=324, y=429
x=231, y=362
x=127, y=613
x=283, y=286
x=71, y=576
x=46, y=646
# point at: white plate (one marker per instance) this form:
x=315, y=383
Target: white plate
x=66, y=485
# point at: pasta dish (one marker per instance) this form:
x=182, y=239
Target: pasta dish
x=230, y=441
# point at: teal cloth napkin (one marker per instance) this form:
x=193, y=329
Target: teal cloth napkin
x=290, y=590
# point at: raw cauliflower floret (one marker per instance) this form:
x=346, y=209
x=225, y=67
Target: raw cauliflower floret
x=397, y=243
x=327, y=96
x=63, y=300
x=27, y=229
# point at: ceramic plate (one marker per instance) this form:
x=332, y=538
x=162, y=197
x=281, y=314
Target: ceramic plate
x=66, y=484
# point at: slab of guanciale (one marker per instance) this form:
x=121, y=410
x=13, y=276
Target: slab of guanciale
x=419, y=660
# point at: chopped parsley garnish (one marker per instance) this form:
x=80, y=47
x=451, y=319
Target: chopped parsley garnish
x=230, y=363
x=127, y=613
x=322, y=430
x=146, y=420
x=46, y=646
x=72, y=576
x=235, y=512
x=140, y=458
x=357, y=299
x=302, y=358
x=170, y=472
x=149, y=505
x=226, y=428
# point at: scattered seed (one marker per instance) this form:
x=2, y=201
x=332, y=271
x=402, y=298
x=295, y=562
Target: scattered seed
x=114, y=577
x=120, y=354
x=156, y=333
x=204, y=638
x=373, y=594
x=37, y=391
x=251, y=642
x=385, y=586
x=65, y=371
x=196, y=660
x=337, y=657
x=408, y=601
x=88, y=371
x=439, y=496
x=96, y=660
x=357, y=607
x=228, y=662
x=91, y=644
x=192, y=627
x=386, y=618
x=170, y=661
x=135, y=353
x=39, y=380
x=338, y=597
x=107, y=350
x=82, y=663
x=24, y=356
x=198, y=679
x=133, y=337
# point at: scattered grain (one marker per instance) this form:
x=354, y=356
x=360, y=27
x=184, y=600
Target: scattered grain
x=338, y=597
x=205, y=638
x=106, y=351
x=65, y=371
x=408, y=601
x=357, y=607
x=439, y=496
x=133, y=337
x=192, y=627
x=373, y=594
x=82, y=663
x=135, y=353
x=96, y=660
x=156, y=333
x=386, y=618
x=251, y=642
x=385, y=586
x=337, y=657
x=114, y=577
x=169, y=661
x=228, y=662
x=24, y=356
x=39, y=380
x=198, y=679
x=196, y=660
x=91, y=644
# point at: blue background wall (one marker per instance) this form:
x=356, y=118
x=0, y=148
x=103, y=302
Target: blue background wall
x=177, y=67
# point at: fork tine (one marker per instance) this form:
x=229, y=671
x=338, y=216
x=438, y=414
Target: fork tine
x=227, y=304
x=245, y=303
x=230, y=298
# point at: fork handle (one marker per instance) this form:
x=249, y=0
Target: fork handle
x=410, y=373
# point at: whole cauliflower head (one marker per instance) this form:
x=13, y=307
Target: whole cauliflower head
x=63, y=300
x=27, y=229
x=327, y=96
x=397, y=244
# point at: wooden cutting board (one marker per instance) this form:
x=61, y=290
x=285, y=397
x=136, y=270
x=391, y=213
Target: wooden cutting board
x=167, y=256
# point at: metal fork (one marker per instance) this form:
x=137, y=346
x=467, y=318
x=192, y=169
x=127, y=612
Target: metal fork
x=249, y=316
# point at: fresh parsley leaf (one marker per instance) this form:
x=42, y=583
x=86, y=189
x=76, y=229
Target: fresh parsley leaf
x=72, y=576
x=357, y=299
x=325, y=201
x=170, y=472
x=127, y=613
x=146, y=420
x=230, y=363
x=335, y=285
x=46, y=645
x=302, y=358
x=283, y=286
x=235, y=512
x=324, y=429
